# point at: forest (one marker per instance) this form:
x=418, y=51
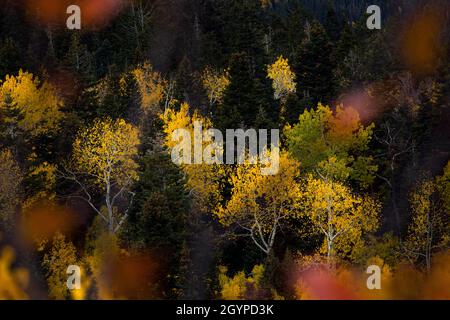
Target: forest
x=94, y=206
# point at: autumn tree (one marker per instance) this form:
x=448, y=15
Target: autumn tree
x=283, y=78
x=240, y=286
x=56, y=261
x=429, y=224
x=105, y=253
x=215, y=84
x=103, y=161
x=259, y=204
x=204, y=180
x=333, y=144
x=342, y=216
x=153, y=89
x=42, y=177
x=28, y=105
x=155, y=94
x=30, y=115
x=331, y=147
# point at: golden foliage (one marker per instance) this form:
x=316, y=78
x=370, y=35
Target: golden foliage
x=427, y=229
x=204, y=181
x=283, y=78
x=85, y=284
x=12, y=282
x=422, y=221
x=443, y=185
x=105, y=249
x=106, y=151
x=259, y=203
x=36, y=102
x=267, y=196
x=61, y=255
x=152, y=88
x=45, y=174
x=239, y=286
x=339, y=214
x=215, y=84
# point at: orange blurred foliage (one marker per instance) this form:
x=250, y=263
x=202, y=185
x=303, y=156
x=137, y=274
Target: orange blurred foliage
x=119, y=274
x=12, y=282
x=345, y=123
x=94, y=13
x=420, y=40
x=132, y=277
x=127, y=277
x=41, y=222
x=405, y=282
x=366, y=106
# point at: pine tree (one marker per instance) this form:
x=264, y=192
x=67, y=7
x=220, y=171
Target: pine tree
x=80, y=59
x=238, y=106
x=347, y=42
x=313, y=65
x=245, y=97
x=242, y=29
x=332, y=24
x=158, y=218
x=9, y=52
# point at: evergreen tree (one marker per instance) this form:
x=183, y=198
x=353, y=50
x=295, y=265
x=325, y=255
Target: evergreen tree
x=347, y=42
x=313, y=65
x=245, y=97
x=80, y=59
x=158, y=218
x=332, y=24
x=292, y=109
x=238, y=106
x=242, y=29
x=9, y=51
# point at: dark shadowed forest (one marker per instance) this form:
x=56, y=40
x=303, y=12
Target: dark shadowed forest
x=89, y=184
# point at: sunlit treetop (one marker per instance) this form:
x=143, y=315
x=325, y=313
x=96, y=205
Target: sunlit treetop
x=33, y=105
x=107, y=151
x=205, y=181
x=342, y=216
x=259, y=203
x=215, y=84
x=332, y=144
x=151, y=86
x=283, y=78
